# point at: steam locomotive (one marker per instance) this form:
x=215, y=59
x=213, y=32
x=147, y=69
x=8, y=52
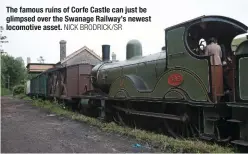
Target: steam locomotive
x=173, y=89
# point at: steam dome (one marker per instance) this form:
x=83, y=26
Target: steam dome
x=133, y=49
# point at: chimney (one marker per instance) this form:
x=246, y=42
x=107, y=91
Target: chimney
x=28, y=60
x=62, y=49
x=105, y=52
x=113, y=56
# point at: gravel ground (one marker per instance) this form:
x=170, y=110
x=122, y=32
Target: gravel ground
x=28, y=129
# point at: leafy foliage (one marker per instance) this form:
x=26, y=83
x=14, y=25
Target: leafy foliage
x=19, y=89
x=12, y=70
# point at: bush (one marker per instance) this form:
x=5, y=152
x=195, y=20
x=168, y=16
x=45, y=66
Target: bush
x=19, y=89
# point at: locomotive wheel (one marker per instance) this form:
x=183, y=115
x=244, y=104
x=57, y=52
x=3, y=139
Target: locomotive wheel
x=122, y=118
x=181, y=129
x=184, y=128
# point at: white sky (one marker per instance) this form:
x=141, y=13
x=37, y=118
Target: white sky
x=164, y=14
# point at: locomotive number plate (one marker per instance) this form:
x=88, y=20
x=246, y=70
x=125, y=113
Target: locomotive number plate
x=175, y=79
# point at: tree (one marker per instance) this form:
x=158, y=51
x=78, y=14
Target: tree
x=13, y=71
x=3, y=74
x=20, y=60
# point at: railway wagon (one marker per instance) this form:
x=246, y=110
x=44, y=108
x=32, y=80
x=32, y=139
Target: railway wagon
x=78, y=82
x=55, y=79
x=78, y=79
x=42, y=84
x=34, y=86
x=69, y=81
x=62, y=83
x=53, y=82
x=38, y=84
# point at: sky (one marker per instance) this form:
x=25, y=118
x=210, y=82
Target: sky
x=164, y=13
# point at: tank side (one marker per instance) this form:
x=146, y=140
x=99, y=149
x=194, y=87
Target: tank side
x=179, y=56
x=242, y=63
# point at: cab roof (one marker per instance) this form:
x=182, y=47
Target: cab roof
x=207, y=18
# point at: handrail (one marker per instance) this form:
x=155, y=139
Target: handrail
x=215, y=95
x=179, y=53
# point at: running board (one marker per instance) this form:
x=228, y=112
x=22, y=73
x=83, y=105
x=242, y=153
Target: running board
x=151, y=114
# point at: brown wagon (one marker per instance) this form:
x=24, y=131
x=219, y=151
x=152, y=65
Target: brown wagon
x=78, y=79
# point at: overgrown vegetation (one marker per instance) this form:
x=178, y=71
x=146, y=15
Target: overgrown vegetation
x=5, y=92
x=13, y=72
x=164, y=143
x=19, y=89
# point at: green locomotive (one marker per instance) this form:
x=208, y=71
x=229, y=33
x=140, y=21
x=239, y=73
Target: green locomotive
x=175, y=85
x=173, y=90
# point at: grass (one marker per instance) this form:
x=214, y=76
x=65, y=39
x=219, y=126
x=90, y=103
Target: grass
x=164, y=143
x=5, y=92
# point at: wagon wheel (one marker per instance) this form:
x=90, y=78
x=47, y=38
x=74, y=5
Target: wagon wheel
x=82, y=109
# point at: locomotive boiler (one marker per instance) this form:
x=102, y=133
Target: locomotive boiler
x=139, y=68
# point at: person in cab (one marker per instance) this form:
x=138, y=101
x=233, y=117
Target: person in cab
x=214, y=51
x=226, y=62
